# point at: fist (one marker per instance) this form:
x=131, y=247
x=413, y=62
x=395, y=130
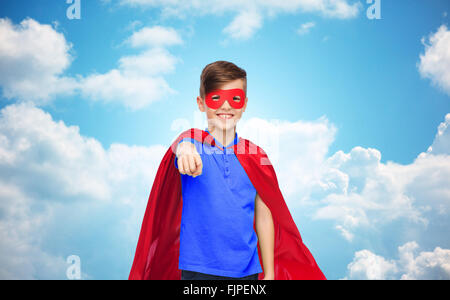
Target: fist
x=188, y=159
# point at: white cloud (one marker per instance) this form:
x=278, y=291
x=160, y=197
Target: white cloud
x=371, y=192
x=33, y=58
x=345, y=233
x=367, y=265
x=20, y=253
x=366, y=193
x=138, y=81
x=441, y=143
x=156, y=36
x=134, y=92
x=376, y=195
x=244, y=25
x=305, y=28
x=151, y=62
x=355, y=190
x=56, y=183
x=435, y=62
x=250, y=13
x=133, y=25
x=425, y=265
x=296, y=149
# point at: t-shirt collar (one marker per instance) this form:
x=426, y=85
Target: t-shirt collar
x=234, y=142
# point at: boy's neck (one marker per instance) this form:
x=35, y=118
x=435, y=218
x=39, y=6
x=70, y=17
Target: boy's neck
x=223, y=136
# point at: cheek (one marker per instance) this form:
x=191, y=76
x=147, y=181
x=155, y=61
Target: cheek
x=210, y=113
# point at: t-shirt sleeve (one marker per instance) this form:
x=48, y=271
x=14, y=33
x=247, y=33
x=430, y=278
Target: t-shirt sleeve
x=182, y=140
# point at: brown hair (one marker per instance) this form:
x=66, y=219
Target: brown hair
x=215, y=74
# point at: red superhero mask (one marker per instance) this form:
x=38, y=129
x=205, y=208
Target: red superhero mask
x=235, y=97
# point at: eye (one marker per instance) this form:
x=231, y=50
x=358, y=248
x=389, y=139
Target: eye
x=215, y=97
x=236, y=98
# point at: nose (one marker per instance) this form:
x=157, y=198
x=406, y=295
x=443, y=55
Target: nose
x=226, y=105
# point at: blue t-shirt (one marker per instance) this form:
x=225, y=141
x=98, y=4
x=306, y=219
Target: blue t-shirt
x=217, y=235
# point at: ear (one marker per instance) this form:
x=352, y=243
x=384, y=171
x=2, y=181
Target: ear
x=201, y=104
x=245, y=104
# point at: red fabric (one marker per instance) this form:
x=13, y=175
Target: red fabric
x=157, y=250
x=227, y=95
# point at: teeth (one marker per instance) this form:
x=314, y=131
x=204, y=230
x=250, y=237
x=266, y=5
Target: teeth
x=225, y=116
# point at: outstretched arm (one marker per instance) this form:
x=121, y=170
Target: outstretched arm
x=265, y=231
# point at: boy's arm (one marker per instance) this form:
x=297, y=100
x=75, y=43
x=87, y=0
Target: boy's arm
x=186, y=139
x=265, y=231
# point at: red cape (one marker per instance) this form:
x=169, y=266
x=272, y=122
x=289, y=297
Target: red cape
x=157, y=250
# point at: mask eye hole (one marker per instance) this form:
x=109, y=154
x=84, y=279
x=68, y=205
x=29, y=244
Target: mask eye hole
x=236, y=98
x=215, y=97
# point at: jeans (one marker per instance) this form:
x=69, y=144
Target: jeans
x=192, y=275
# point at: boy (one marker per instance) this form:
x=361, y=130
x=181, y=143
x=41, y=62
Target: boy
x=224, y=217
x=221, y=220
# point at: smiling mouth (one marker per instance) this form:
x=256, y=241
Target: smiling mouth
x=225, y=116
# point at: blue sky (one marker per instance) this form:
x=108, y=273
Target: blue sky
x=359, y=100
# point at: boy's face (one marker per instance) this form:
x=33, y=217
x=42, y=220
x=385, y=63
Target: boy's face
x=225, y=117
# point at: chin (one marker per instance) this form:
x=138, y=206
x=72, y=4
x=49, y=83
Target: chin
x=224, y=124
